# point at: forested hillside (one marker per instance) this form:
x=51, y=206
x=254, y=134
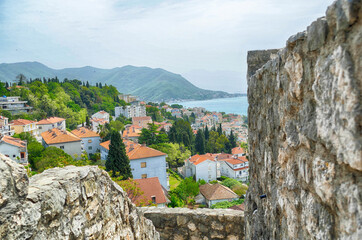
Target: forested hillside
x=147, y=83
x=70, y=99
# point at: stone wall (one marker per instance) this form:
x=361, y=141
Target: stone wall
x=67, y=203
x=305, y=133
x=186, y=224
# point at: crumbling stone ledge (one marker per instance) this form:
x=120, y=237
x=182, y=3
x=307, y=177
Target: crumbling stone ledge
x=67, y=203
x=184, y=223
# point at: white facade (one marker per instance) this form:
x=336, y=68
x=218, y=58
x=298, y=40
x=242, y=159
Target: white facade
x=91, y=144
x=101, y=115
x=237, y=171
x=134, y=110
x=18, y=154
x=45, y=127
x=206, y=170
x=74, y=149
x=5, y=127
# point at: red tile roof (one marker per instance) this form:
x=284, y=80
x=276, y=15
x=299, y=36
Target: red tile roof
x=197, y=159
x=217, y=192
x=13, y=141
x=50, y=120
x=100, y=121
x=21, y=122
x=150, y=187
x=135, y=150
x=237, y=150
x=59, y=136
x=84, y=133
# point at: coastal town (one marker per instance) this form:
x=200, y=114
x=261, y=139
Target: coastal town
x=218, y=171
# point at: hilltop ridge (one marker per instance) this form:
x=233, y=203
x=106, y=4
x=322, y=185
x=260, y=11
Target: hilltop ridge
x=151, y=84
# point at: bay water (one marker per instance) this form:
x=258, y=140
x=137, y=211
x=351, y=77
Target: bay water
x=237, y=105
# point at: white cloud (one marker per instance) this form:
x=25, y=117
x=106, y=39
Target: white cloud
x=176, y=35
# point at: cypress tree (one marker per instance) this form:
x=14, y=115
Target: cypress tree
x=219, y=129
x=207, y=134
x=200, y=142
x=97, y=85
x=232, y=139
x=87, y=84
x=100, y=85
x=117, y=160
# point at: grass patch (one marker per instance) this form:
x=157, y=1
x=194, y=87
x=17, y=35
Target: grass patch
x=174, y=182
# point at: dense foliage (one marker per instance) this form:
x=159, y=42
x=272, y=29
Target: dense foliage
x=238, y=187
x=176, y=153
x=227, y=204
x=184, y=193
x=70, y=99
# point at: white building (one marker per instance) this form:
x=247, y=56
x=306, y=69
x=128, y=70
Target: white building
x=238, y=151
x=237, y=168
x=50, y=123
x=101, y=115
x=14, y=148
x=136, y=109
x=90, y=139
x=96, y=123
x=145, y=162
x=5, y=127
x=201, y=166
x=14, y=105
x=64, y=140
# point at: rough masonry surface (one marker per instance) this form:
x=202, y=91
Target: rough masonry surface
x=67, y=203
x=305, y=133
x=203, y=224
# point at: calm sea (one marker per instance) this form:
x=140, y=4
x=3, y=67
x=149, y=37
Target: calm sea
x=238, y=105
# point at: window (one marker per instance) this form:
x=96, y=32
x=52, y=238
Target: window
x=61, y=147
x=14, y=156
x=40, y=127
x=90, y=148
x=143, y=164
x=90, y=140
x=153, y=199
x=144, y=176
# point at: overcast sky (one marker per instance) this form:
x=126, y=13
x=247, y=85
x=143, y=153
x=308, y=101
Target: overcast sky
x=200, y=39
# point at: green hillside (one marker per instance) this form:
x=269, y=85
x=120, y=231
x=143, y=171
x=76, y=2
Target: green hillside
x=147, y=83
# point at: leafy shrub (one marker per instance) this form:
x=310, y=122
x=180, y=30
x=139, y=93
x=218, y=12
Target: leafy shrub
x=227, y=204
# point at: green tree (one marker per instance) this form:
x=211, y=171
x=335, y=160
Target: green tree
x=200, y=142
x=117, y=160
x=176, y=153
x=151, y=136
x=207, y=134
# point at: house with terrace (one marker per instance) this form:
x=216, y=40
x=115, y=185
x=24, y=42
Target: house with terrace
x=132, y=132
x=24, y=125
x=101, y=115
x=50, y=123
x=90, y=139
x=236, y=167
x=64, y=140
x=6, y=128
x=14, y=148
x=201, y=167
x=145, y=162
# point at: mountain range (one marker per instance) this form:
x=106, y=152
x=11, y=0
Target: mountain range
x=147, y=83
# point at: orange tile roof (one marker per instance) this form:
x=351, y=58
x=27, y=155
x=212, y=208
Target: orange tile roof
x=20, y=122
x=217, y=192
x=13, y=141
x=50, y=120
x=240, y=207
x=2, y=117
x=84, y=133
x=233, y=161
x=238, y=169
x=147, y=118
x=99, y=120
x=197, y=159
x=237, y=150
x=150, y=187
x=135, y=150
x=105, y=144
x=59, y=136
x=132, y=131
